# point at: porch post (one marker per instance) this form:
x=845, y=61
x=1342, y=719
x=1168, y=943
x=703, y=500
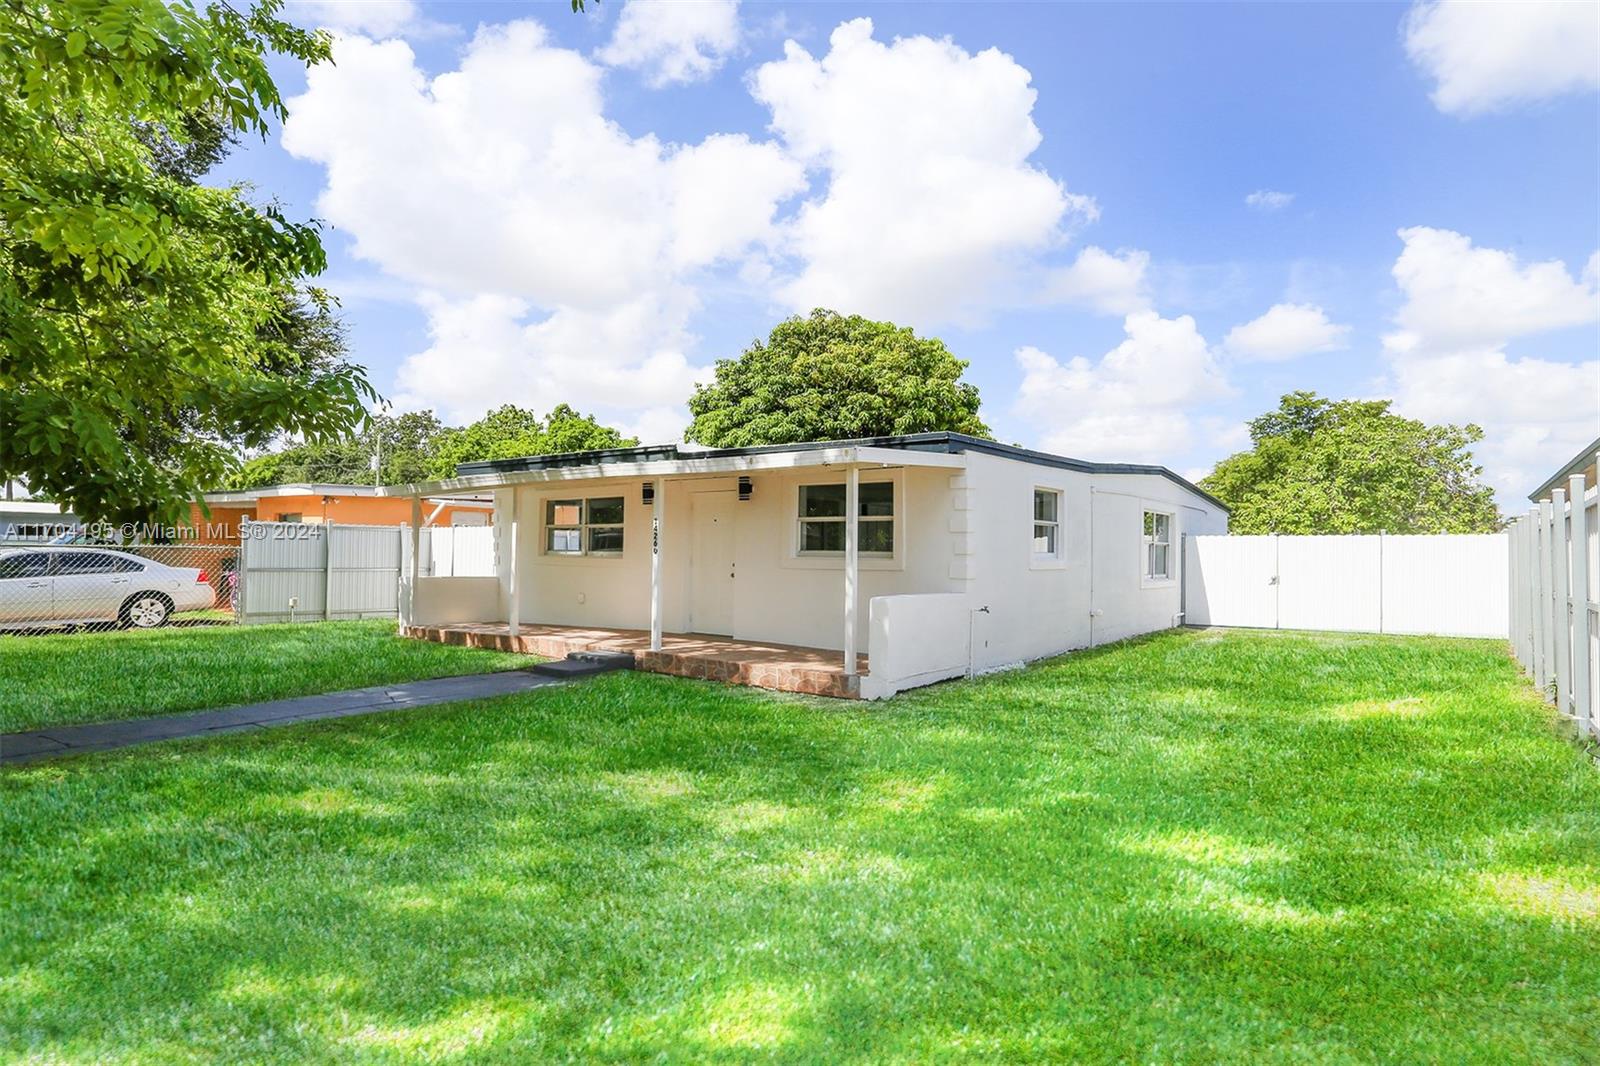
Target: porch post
x=512, y=590
x=416, y=559
x=852, y=507
x=657, y=508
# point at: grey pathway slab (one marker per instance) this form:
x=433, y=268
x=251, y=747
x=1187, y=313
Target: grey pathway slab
x=58, y=741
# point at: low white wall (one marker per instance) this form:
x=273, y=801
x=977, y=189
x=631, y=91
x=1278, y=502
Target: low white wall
x=448, y=600
x=915, y=640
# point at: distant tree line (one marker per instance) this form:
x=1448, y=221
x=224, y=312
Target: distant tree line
x=416, y=446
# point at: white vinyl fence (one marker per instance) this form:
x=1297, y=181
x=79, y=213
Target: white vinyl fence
x=304, y=572
x=1555, y=586
x=1447, y=584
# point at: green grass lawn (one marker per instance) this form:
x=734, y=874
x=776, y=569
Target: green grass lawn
x=59, y=678
x=1193, y=848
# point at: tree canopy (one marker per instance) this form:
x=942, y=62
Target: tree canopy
x=1353, y=466
x=829, y=376
x=408, y=442
x=509, y=432
x=151, y=325
x=417, y=447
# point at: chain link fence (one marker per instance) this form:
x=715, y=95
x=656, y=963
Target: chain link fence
x=276, y=572
x=145, y=586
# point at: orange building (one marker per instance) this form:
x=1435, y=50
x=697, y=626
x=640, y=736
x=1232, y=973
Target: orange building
x=352, y=504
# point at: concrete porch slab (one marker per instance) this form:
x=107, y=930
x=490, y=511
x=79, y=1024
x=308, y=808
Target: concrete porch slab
x=781, y=667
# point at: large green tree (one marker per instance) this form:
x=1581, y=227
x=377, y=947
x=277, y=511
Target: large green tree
x=832, y=377
x=416, y=447
x=1353, y=466
x=404, y=444
x=150, y=324
x=510, y=432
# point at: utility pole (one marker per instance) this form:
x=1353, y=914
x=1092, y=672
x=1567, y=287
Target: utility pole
x=377, y=458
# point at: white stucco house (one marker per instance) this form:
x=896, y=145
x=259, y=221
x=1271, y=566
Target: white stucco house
x=935, y=555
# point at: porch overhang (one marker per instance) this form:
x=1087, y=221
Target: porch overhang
x=844, y=456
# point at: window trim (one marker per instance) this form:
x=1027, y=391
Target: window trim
x=584, y=527
x=794, y=559
x=1057, y=559
x=1146, y=579
x=892, y=518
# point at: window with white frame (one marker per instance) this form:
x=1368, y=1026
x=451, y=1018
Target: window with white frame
x=822, y=516
x=590, y=526
x=1046, y=524
x=1157, y=545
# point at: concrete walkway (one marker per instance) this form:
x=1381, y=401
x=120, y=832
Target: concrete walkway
x=103, y=736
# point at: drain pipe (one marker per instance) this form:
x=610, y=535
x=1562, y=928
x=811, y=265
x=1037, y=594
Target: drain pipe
x=1093, y=611
x=1183, y=580
x=972, y=618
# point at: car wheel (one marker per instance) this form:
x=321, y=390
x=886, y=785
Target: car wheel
x=146, y=610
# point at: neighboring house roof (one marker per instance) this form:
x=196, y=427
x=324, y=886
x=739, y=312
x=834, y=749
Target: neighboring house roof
x=266, y=492
x=478, y=474
x=297, y=489
x=1582, y=463
x=32, y=508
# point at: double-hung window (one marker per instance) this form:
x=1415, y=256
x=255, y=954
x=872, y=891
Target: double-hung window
x=583, y=527
x=1046, y=524
x=822, y=517
x=1157, y=546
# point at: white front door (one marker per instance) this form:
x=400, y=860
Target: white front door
x=711, y=567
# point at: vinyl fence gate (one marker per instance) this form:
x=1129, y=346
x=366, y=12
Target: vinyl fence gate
x=309, y=572
x=303, y=572
x=1446, y=584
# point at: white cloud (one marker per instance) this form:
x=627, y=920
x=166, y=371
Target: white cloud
x=1286, y=331
x=373, y=18
x=1130, y=405
x=1112, y=284
x=930, y=210
x=1269, y=200
x=1489, y=56
x=673, y=40
x=559, y=254
x=1463, y=307
x=1458, y=295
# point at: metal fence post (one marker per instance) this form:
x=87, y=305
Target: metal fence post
x=1541, y=607
x=1530, y=593
x=1547, y=578
x=1581, y=671
x=1381, y=534
x=1514, y=591
x=403, y=608
x=1562, y=630
x=241, y=571
x=327, y=571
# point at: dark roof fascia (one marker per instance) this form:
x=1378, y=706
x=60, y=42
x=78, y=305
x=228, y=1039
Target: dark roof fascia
x=950, y=443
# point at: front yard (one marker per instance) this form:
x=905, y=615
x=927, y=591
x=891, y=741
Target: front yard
x=1196, y=847
x=65, y=678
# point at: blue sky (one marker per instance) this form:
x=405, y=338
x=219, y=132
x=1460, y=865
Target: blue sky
x=526, y=205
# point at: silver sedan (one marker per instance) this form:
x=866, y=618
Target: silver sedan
x=51, y=586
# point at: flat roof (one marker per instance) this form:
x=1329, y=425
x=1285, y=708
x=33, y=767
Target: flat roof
x=945, y=443
x=265, y=492
x=1582, y=463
